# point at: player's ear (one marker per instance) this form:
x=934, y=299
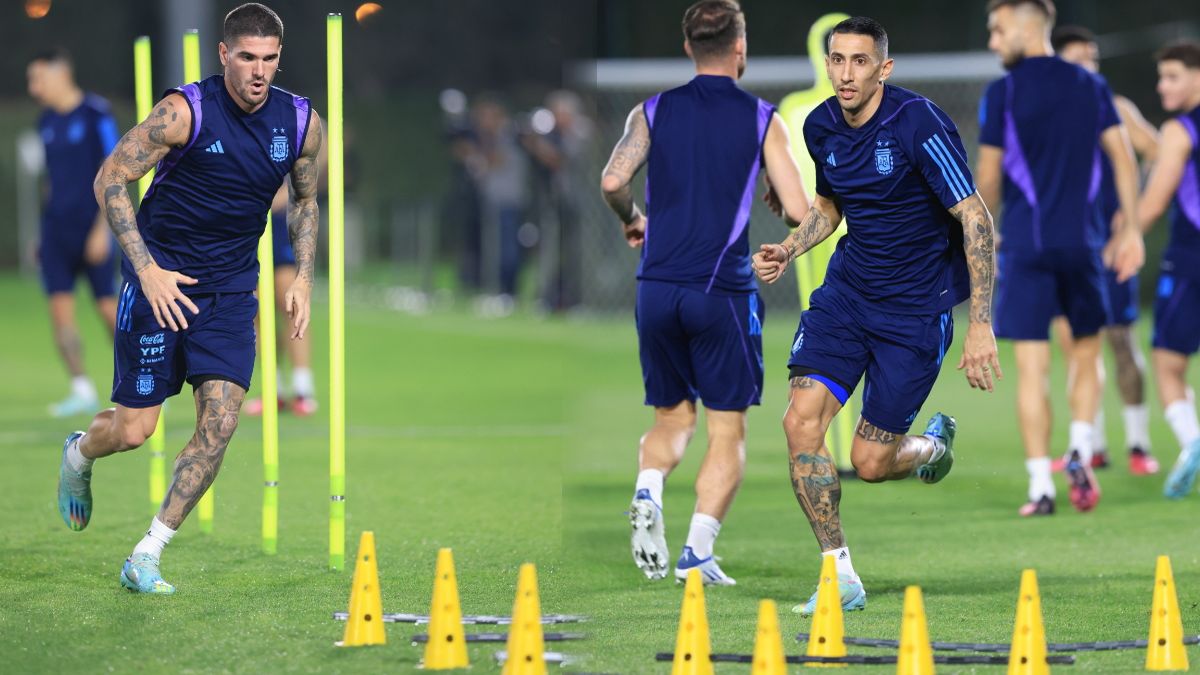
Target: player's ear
x=687, y=49
x=223, y=52
x=886, y=71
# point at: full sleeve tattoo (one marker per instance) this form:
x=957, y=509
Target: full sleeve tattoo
x=979, y=244
x=302, y=205
x=627, y=158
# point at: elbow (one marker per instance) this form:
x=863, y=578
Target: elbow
x=611, y=185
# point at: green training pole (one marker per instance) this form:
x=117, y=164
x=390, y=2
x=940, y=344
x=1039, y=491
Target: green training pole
x=144, y=100
x=810, y=267
x=337, y=302
x=270, y=390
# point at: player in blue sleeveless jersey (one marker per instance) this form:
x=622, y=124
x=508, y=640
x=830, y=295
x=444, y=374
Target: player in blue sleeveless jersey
x=222, y=147
x=699, y=315
x=918, y=242
x=1176, y=178
x=1043, y=130
x=78, y=131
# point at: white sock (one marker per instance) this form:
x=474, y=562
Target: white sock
x=1100, y=436
x=1181, y=415
x=1081, y=439
x=75, y=458
x=302, y=382
x=157, y=537
x=841, y=556
x=82, y=387
x=651, y=480
x=702, y=534
x=1137, y=426
x=1040, y=482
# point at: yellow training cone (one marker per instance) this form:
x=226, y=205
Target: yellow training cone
x=1027, y=656
x=915, y=656
x=768, y=643
x=446, y=648
x=526, y=649
x=364, y=625
x=1165, y=650
x=693, y=652
x=828, y=632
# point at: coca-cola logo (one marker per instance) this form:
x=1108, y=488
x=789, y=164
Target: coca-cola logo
x=156, y=339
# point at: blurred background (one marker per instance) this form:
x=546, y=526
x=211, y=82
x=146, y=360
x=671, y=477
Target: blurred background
x=476, y=130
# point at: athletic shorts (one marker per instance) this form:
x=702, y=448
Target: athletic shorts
x=152, y=363
x=61, y=262
x=281, y=240
x=1177, y=314
x=840, y=339
x=1033, y=288
x=694, y=345
x=1122, y=299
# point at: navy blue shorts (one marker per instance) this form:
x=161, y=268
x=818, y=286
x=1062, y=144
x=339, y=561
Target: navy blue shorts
x=694, y=345
x=62, y=262
x=281, y=239
x=1033, y=288
x=152, y=363
x=841, y=339
x=1176, y=319
x=1122, y=299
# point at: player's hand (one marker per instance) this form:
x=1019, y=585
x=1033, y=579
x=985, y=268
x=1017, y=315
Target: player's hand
x=296, y=303
x=161, y=288
x=98, y=247
x=771, y=198
x=1125, y=254
x=635, y=232
x=770, y=262
x=980, y=358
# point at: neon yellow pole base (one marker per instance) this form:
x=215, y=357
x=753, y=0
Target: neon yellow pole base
x=158, y=463
x=270, y=390
x=337, y=302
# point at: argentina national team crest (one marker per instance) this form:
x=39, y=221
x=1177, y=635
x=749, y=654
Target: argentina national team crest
x=145, y=384
x=279, y=147
x=883, y=159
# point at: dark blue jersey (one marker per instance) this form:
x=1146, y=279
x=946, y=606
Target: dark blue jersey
x=208, y=204
x=894, y=178
x=705, y=152
x=76, y=145
x=1047, y=115
x=1182, y=257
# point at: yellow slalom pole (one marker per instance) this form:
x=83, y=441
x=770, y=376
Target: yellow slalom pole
x=337, y=302
x=270, y=389
x=144, y=99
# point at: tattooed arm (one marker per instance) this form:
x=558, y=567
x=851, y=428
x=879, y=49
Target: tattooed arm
x=821, y=220
x=979, y=349
x=302, y=226
x=627, y=158
x=169, y=125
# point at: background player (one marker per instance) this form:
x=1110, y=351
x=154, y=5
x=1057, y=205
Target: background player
x=223, y=147
x=1076, y=44
x=78, y=131
x=699, y=315
x=919, y=240
x=1039, y=131
x=1176, y=177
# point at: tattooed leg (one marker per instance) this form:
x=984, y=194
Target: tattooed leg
x=814, y=475
x=218, y=403
x=880, y=455
x=1131, y=364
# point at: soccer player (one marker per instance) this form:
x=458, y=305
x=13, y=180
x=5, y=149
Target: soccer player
x=78, y=131
x=1176, y=176
x=1042, y=128
x=699, y=315
x=918, y=242
x=1075, y=44
x=222, y=147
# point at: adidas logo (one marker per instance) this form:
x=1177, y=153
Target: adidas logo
x=830, y=160
x=216, y=147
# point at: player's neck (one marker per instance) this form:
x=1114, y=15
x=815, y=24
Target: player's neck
x=727, y=69
x=70, y=100
x=239, y=102
x=1192, y=103
x=1038, y=46
x=861, y=116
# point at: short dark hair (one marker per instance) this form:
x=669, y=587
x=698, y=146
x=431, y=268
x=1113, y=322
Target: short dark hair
x=53, y=55
x=712, y=26
x=1187, y=52
x=1045, y=6
x=1068, y=35
x=252, y=19
x=864, y=25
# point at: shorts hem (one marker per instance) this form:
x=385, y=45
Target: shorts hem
x=198, y=379
x=886, y=427
x=730, y=407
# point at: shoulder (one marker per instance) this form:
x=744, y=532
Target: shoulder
x=295, y=100
x=1181, y=131
x=97, y=105
x=822, y=118
x=908, y=109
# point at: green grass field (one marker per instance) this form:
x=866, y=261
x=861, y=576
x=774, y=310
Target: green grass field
x=512, y=441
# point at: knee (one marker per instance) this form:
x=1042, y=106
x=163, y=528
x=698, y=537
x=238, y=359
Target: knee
x=871, y=469
x=804, y=432
x=679, y=421
x=133, y=436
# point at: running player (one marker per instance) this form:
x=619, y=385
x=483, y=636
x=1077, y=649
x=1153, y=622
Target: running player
x=699, y=315
x=1076, y=44
x=222, y=147
x=1176, y=177
x=918, y=242
x=78, y=131
x=1042, y=128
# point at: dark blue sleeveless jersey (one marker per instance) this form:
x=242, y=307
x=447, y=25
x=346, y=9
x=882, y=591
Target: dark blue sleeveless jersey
x=76, y=145
x=1182, y=257
x=1047, y=115
x=705, y=152
x=895, y=177
x=208, y=204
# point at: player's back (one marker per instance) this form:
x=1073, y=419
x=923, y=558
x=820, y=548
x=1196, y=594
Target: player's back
x=1182, y=256
x=1048, y=115
x=705, y=152
x=76, y=144
x=208, y=203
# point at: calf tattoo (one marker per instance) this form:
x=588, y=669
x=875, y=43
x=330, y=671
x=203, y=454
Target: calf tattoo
x=218, y=403
x=819, y=491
